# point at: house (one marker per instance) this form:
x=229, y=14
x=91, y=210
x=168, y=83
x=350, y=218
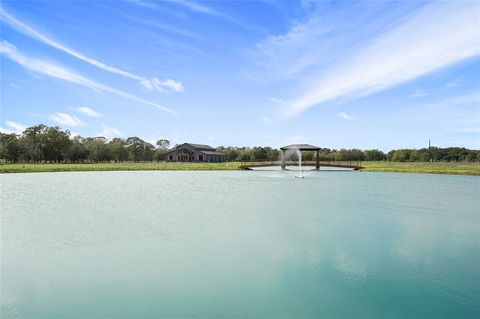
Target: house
x=189, y=152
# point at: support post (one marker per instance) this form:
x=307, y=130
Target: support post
x=283, y=160
x=317, y=164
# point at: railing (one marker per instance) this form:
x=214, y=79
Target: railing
x=347, y=164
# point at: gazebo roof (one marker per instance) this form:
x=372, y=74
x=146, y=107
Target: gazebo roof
x=301, y=147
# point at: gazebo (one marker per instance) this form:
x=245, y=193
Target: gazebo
x=300, y=147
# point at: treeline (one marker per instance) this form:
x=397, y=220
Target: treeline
x=41, y=143
x=433, y=154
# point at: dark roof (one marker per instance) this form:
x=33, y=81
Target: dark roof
x=200, y=146
x=170, y=151
x=301, y=147
x=211, y=153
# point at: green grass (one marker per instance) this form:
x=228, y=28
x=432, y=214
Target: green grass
x=431, y=168
x=426, y=168
x=30, y=168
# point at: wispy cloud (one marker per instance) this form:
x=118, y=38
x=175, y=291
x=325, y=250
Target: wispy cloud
x=109, y=132
x=14, y=127
x=165, y=27
x=276, y=101
x=85, y=110
x=59, y=72
x=145, y=4
x=452, y=84
x=150, y=84
x=418, y=93
x=195, y=7
x=456, y=114
x=346, y=116
x=435, y=36
x=167, y=85
x=288, y=54
x=202, y=9
x=473, y=98
x=66, y=119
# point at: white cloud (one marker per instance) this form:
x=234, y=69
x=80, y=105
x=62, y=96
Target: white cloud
x=167, y=85
x=346, y=116
x=59, y=72
x=288, y=54
x=276, y=101
x=436, y=36
x=34, y=34
x=109, y=132
x=14, y=127
x=419, y=93
x=66, y=119
x=85, y=110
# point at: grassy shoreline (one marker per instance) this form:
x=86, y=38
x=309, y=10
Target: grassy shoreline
x=425, y=168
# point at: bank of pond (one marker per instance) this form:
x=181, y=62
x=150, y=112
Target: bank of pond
x=462, y=168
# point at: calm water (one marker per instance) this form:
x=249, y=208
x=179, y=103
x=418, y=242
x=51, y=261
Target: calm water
x=239, y=244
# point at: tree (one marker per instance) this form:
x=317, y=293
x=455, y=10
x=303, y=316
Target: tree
x=341, y=155
x=56, y=144
x=162, y=148
x=243, y=155
x=374, y=155
x=118, y=150
x=258, y=153
x=34, y=142
x=78, y=152
x=148, y=152
x=231, y=153
x=97, y=149
x=402, y=155
x=136, y=148
x=9, y=147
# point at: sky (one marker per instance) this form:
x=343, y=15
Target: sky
x=337, y=74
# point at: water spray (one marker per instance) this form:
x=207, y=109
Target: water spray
x=299, y=164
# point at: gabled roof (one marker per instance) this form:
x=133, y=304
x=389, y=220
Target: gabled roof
x=301, y=147
x=200, y=146
x=212, y=153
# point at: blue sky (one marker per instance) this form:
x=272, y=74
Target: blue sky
x=346, y=74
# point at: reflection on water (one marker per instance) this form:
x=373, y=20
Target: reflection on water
x=239, y=244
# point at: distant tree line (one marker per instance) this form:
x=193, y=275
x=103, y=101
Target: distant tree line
x=41, y=143
x=433, y=154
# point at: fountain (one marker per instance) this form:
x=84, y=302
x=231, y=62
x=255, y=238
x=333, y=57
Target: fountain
x=292, y=153
x=299, y=164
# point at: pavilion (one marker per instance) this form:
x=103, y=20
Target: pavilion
x=300, y=147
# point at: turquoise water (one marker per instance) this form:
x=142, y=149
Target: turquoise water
x=249, y=244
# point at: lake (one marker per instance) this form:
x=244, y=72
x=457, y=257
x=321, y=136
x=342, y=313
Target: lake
x=239, y=244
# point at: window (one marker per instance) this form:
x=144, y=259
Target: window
x=200, y=158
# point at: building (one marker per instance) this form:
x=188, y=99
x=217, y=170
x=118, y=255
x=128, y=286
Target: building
x=189, y=152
